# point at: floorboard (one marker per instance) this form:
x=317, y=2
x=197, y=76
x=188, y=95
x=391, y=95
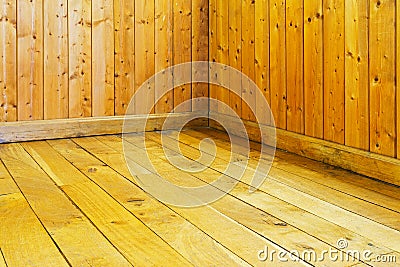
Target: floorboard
x=2, y=260
x=76, y=237
x=74, y=202
x=141, y=246
x=294, y=178
x=344, y=232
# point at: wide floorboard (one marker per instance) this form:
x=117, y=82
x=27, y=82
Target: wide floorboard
x=75, y=202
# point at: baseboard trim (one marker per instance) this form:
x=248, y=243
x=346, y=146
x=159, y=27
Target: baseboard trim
x=80, y=127
x=362, y=162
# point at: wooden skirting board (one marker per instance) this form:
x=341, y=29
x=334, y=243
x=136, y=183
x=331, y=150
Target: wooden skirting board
x=369, y=164
x=68, y=128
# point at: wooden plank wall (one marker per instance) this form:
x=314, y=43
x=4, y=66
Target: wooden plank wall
x=327, y=67
x=82, y=58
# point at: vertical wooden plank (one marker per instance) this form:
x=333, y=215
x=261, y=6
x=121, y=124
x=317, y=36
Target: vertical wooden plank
x=294, y=70
x=80, y=58
x=124, y=27
x=313, y=69
x=103, y=58
x=398, y=77
x=8, y=57
x=278, y=62
x=144, y=52
x=222, y=55
x=56, y=59
x=163, y=52
x=382, y=77
x=248, y=58
x=357, y=80
x=200, y=29
x=334, y=70
x=262, y=58
x=30, y=59
x=182, y=43
x=235, y=49
x=213, y=52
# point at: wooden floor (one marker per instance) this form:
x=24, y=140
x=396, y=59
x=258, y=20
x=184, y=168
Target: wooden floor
x=73, y=202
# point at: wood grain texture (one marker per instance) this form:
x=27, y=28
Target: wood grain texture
x=144, y=53
x=200, y=47
x=398, y=77
x=382, y=77
x=334, y=72
x=56, y=59
x=235, y=52
x=161, y=219
x=222, y=56
x=262, y=60
x=248, y=62
x=102, y=58
x=295, y=65
x=2, y=260
x=285, y=193
x=356, y=160
x=19, y=219
x=69, y=227
x=21, y=131
x=357, y=75
x=213, y=53
x=80, y=58
x=313, y=69
x=278, y=62
x=164, y=55
x=8, y=60
x=124, y=26
x=30, y=60
x=287, y=213
x=113, y=221
x=182, y=40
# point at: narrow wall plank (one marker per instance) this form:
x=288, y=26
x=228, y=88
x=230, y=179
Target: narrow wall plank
x=313, y=69
x=222, y=55
x=278, y=62
x=124, y=27
x=8, y=57
x=357, y=79
x=182, y=40
x=382, y=77
x=295, y=70
x=200, y=29
x=213, y=51
x=56, y=59
x=334, y=70
x=144, y=52
x=80, y=58
x=235, y=50
x=30, y=59
x=102, y=58
x=262, y=59
x=163, y=52
x=398, y=77
x=248, y=57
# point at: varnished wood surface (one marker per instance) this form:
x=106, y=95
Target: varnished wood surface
x=74, y=202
